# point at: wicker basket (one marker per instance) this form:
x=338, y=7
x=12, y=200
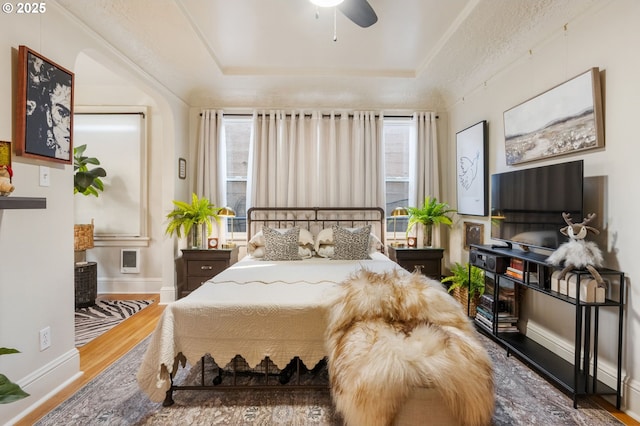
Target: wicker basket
x=83, y=237
x=462, y=296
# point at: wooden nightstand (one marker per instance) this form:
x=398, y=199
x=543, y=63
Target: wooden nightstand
x=200, y=265
x=428, y=260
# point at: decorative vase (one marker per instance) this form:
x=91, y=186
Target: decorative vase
x=428, y=235
x=198, y=237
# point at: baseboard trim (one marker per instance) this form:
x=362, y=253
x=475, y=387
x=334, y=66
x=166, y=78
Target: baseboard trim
x=129, y=285
x=47, y=381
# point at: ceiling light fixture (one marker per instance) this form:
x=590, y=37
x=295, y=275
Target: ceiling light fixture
x=326, y=3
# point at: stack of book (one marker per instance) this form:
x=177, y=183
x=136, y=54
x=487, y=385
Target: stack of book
x=518, y=270
x=505, y=320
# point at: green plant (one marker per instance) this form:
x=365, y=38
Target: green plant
x=186, y=215
x=432, y=213
x=9, y=391
x=459, y=278
x=86, y=181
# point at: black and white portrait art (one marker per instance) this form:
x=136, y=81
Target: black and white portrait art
x=47, y=108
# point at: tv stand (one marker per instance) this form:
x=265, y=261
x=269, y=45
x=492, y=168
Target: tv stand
x=510, y=277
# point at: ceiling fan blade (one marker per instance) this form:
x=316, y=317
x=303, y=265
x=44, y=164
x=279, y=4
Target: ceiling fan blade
x=359, y=11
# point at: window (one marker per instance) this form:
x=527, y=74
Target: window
x=237, y=135
x=396, y=134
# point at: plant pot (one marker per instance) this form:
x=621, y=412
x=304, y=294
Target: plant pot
x=461, y=294
x=428, y=235
x=197, y=239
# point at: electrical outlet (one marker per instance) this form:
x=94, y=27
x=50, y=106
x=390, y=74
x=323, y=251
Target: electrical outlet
x=45, y=177
x=45, y=338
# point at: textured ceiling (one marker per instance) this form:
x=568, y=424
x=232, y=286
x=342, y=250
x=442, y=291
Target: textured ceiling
x=275, y=53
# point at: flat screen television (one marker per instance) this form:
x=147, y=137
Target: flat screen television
x=527, y=205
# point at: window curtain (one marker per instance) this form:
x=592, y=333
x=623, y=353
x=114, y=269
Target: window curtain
x=210, y=160
x=424, y=172
x=299, y=159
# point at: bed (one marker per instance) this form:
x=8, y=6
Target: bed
x=270, y=309
x=259, y=308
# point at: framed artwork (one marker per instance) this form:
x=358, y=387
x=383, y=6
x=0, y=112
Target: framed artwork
x=471, y=170
x=473, y=234
x=5, y=153
x=563, y=120
x=182, y=168
x=44, y=108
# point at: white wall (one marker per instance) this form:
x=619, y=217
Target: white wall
x=607, y=37
x=36, y=246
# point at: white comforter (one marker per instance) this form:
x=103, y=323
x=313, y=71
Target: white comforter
x=255, y=309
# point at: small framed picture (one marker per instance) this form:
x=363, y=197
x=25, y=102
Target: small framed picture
x=182, y=168
x=473, y=234
x=212, y=243
x=412, y=242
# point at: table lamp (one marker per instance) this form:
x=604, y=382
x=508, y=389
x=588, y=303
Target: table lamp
x=230, y=213
x=396, y=213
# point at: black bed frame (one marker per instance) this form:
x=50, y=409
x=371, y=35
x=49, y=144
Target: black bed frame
x=313, y=219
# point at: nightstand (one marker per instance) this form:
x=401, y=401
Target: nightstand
x=200, y=265
x=428, y=260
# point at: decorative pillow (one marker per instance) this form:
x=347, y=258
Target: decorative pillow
x=325, y=239
x=281, y=245
x=305, y=241
x=351, y=245
x=326, y=250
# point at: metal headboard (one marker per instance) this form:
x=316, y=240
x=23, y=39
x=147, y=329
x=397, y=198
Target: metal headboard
x=316, y=218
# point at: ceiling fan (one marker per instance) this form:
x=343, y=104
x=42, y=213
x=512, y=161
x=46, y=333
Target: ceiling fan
x=359, y=11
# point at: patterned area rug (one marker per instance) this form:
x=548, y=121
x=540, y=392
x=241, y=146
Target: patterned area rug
x=104, y=315
x=113, y=398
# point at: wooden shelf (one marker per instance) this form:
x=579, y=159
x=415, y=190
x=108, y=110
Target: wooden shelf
x=23, y=203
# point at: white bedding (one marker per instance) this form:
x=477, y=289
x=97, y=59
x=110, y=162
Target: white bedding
x=254, y=309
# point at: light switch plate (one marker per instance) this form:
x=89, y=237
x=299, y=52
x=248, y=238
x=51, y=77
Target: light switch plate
x=45, y=176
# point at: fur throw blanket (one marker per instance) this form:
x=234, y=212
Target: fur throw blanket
x=391, y=331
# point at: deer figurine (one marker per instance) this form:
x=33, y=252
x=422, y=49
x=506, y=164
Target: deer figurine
x=578, y=253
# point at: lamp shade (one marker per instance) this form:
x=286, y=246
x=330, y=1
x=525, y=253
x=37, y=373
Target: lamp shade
x=226, y=212
x=399, y=212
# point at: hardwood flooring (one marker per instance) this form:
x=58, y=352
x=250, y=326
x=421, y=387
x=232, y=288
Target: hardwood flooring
x=101, y=352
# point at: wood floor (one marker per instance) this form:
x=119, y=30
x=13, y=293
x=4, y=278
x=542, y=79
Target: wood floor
x=98, y=354
x=101, y=352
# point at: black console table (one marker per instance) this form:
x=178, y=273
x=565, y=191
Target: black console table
x=505, y=288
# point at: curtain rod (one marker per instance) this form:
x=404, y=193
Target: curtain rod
x=323, y=115
x=111, y=113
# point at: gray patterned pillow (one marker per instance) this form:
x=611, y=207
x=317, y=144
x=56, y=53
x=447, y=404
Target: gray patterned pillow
x=351, y=245
x=280, y=245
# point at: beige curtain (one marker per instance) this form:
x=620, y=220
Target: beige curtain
x=299, y=159
x=210, y=160
x=424, y=173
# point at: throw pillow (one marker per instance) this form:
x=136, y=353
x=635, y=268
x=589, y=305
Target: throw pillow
x=281, y=245
x=351, y=245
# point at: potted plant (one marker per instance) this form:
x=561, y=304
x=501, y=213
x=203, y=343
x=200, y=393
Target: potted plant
x=432, y=213
x=9, y=391
x=466, y=286
x=86, y=181
x=191, y=219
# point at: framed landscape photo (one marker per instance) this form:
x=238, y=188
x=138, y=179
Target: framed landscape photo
x=471, y=170
x=563, y=120
x=44, y=108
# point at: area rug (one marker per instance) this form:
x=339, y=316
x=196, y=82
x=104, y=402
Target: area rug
x=93, y=321
x=113, y=398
